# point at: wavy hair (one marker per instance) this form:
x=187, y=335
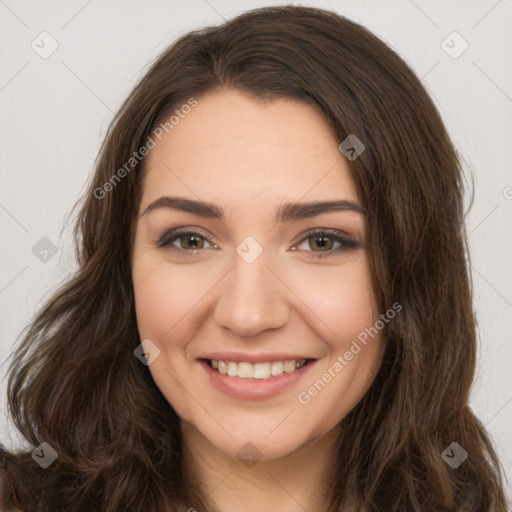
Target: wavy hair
x=74, y=381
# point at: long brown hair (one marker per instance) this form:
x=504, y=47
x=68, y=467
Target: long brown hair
x=74, y=381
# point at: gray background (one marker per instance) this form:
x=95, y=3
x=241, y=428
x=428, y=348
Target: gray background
x=54, y=112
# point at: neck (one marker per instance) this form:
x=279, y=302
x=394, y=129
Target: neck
x=296, y=482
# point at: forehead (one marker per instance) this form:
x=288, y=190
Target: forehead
x=236, y=150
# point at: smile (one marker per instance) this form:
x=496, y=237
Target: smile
x=243, y=380
x=265, y=370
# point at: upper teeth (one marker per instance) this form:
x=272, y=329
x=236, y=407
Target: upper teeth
x=256, y=371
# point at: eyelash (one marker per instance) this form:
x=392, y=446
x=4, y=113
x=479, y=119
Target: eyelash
x=345, y=242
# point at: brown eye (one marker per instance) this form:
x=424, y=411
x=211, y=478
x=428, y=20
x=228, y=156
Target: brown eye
x=321, y=242
x=191, y=241
x=184, y=241
x=325, y=243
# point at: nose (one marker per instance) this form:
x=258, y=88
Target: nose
x=252, y=299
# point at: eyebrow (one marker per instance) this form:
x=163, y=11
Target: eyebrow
x=285, y=213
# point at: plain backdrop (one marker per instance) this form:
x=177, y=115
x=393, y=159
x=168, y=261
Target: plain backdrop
x=55, y=109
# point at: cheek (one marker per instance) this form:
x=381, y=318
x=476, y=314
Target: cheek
x=356, y=306
x=162, y=297
x=357, y=340
x=345, y=313
x=342, y=301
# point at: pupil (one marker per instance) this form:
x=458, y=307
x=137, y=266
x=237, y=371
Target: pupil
x=322, y=245
x=193, y=244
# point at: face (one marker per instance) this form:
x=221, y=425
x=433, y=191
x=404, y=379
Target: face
x=235, y=295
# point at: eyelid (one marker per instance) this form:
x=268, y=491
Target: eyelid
x=347, y=241
x=331, y=232
x=174, y=233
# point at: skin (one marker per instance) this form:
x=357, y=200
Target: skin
x=249, y=156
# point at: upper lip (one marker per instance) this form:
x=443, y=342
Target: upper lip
x=254, y=358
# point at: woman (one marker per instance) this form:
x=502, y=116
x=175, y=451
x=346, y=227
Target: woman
x=272, y=307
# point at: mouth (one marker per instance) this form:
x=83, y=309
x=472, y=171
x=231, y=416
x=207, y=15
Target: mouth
x=256, y=381
x=257, y=371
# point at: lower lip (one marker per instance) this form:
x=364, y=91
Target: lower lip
x=254, y=389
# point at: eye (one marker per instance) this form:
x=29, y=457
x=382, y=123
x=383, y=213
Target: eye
x=191, y=241
x=325, y=239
